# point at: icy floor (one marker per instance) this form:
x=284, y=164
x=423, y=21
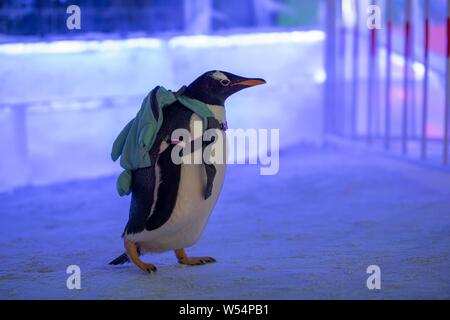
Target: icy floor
x=309, y=232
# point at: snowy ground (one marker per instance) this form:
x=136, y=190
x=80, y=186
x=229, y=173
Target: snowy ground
x=309, y=232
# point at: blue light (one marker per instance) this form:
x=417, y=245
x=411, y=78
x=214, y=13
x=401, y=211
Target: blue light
x=78, y=46
x=201, y=41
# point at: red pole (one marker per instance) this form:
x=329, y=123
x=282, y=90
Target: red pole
x=387, y=114
x=405, y=78
x=447, y=92
x=373, y=42
x=425, y=80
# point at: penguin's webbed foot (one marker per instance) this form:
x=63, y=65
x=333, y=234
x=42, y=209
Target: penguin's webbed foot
x=133, y=255
x=148, y=267
x=196, y=261
x=192, y=261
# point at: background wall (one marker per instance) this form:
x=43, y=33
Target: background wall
x=62, y=104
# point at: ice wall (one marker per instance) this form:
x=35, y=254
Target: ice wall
x=63, y=103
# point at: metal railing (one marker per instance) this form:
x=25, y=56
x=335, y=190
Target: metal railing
x=343, y=116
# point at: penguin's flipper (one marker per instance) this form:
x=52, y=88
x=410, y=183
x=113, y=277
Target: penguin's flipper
x=120, y=260
x=192, y=261
x=210, y=174
x=133, y=254
x=210, y=169
x=142, y=198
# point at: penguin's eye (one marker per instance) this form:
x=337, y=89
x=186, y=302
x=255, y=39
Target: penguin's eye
x=225, y=82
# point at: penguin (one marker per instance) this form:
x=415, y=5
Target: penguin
x=169, y=208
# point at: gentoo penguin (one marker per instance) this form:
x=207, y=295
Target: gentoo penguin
x=168, y=208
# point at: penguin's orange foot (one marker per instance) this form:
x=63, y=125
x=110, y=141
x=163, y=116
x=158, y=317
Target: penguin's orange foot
x=132, y=252
x=195, y=261
x=148, y=267
x=192, y=261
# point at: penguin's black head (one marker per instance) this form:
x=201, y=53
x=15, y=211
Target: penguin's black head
x=214, y=87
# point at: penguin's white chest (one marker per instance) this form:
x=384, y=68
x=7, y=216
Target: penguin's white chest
x=191, y=210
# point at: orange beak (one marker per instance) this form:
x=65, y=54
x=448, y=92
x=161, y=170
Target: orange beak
x=251, y=82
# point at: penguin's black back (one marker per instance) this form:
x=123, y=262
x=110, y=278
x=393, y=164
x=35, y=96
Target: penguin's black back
x=175, y=116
